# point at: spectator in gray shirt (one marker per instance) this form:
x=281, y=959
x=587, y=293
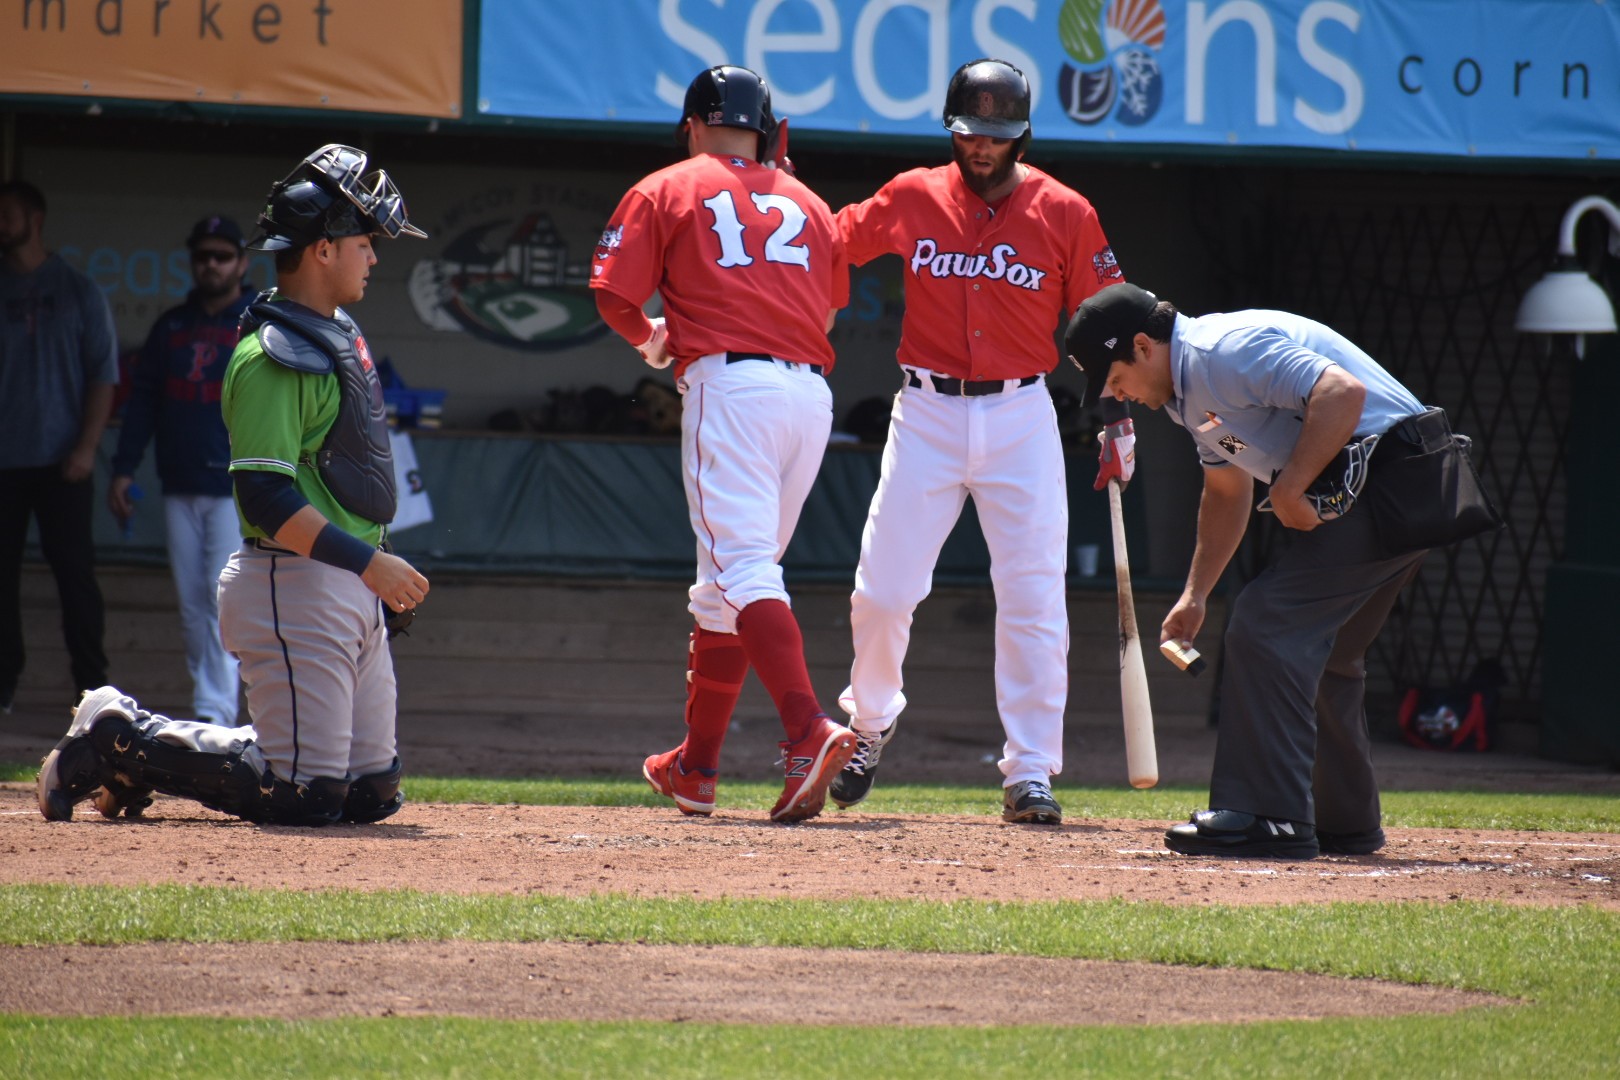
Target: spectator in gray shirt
x=58, y=367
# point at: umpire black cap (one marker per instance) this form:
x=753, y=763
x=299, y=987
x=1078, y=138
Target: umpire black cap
x=988, y=97
x=1103, y=327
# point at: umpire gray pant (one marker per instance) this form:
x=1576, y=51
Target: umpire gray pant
x=1293, y=725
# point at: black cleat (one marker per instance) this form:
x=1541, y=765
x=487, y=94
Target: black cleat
x=1235, y=833
x=1030, y=802
x=70, y=774
x=854, y=781
x=74, y=769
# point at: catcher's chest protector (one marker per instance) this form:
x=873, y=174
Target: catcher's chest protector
x=355, y=459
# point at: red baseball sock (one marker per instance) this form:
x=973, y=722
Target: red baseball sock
x=716, y=667
x=775, y=647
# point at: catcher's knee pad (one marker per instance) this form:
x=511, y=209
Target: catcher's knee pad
x=318, y=802
x=209, y=769
x=208, y=764
x=375, y=796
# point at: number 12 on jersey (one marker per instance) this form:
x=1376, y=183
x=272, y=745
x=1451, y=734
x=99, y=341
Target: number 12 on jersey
x=779, y=245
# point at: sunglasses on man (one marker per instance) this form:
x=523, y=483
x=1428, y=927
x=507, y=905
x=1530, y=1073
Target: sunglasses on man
x=214, y=255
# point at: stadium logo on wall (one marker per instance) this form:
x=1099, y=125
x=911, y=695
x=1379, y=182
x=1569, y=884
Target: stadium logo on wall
x=1116, y=68
x=508, y=282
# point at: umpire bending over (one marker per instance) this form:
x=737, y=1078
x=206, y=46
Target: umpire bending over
x=1272, y=396
x=304, y=604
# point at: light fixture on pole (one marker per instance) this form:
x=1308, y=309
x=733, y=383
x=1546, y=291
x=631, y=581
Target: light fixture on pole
x=1566, y=300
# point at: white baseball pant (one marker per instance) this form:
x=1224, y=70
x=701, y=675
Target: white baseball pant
x=753, y=433
x=1003, y=450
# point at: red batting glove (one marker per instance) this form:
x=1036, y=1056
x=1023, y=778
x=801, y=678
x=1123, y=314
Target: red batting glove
x=1117, y=457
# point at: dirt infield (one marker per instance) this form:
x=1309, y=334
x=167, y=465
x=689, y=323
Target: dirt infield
x=575, y=851
x=561, y=981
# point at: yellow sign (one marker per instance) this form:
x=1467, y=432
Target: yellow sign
x=383, y=56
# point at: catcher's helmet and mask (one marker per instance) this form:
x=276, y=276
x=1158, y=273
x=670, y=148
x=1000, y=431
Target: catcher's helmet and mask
x=729, y=96
x=1334, y=493
x=988, y=97
x=330, y=195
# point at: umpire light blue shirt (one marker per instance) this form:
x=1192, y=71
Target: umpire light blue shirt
x=1241, y=380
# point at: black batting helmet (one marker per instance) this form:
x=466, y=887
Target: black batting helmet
x=728, y=96
x=988, y=97
x=330, y=195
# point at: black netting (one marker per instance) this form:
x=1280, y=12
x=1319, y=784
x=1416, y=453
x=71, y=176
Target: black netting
x=1427, y=279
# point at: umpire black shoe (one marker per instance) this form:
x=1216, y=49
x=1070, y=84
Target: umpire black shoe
x=854, y=781
x=1234, y=833
x=1350, y=843
x=1030, y=802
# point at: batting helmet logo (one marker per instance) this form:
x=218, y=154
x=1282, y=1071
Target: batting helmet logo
x=988, y=97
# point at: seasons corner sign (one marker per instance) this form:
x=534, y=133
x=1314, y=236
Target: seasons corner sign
x=1488, y=78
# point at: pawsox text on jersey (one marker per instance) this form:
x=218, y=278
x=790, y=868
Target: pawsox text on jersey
x=993, y=266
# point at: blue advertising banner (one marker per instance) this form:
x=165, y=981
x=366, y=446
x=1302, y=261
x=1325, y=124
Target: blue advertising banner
x=1486, y=78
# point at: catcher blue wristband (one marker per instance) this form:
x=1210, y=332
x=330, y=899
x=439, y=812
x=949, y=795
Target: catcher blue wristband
x=334, y=547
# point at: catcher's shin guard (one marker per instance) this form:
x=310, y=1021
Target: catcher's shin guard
x=375, y=796
x=158, y=754
x=716, y=668
x=319, y=802
x=209, y=764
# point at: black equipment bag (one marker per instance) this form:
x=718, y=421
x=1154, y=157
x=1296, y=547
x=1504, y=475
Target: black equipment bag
x=1423, y=491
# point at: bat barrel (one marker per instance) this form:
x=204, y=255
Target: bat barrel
x=1141, y=754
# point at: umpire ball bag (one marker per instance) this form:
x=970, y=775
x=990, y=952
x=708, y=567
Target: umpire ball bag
x=1423, y=491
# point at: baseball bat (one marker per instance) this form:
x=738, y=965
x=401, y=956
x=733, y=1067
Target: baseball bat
x=1141, y=756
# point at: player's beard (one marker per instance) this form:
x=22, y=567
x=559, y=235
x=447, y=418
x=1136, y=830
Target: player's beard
x=217, y=286
x=12, y=240
x=979, y=183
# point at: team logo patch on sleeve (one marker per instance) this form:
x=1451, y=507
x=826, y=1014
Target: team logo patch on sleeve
x=1106, y=265
x=611, y=239
x=1232, y=444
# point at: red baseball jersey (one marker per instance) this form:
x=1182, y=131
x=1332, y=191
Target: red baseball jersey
x=747, y=258
x=985, y=290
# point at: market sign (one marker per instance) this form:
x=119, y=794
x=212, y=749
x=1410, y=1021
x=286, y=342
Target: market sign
x=378, y=56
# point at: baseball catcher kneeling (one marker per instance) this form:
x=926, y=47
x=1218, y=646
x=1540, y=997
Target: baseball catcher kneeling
x=117, y=754
x=308, y=602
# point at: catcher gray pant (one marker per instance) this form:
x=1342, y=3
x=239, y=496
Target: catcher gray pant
x=1293, y=725
x=314, y=657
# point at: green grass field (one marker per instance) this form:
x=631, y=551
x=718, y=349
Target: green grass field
x=1560, y=965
